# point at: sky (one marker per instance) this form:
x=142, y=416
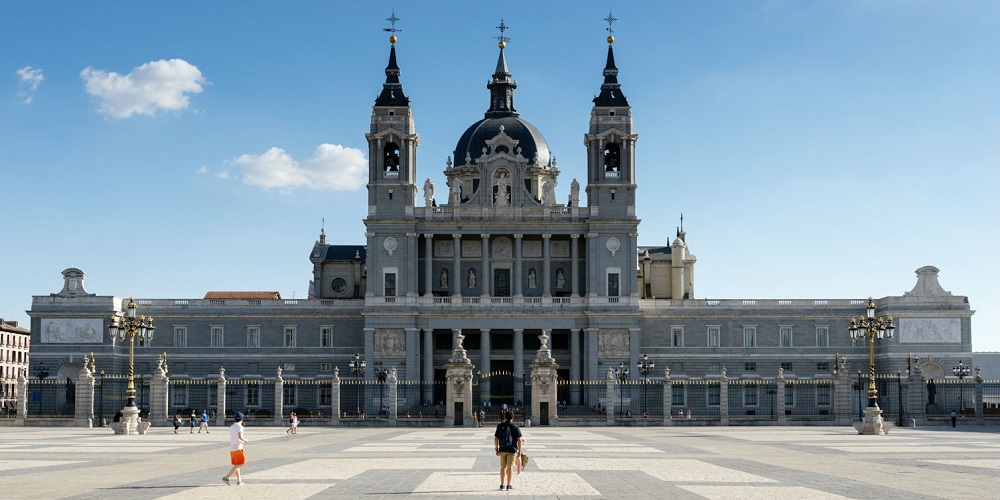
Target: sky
x=817, y=150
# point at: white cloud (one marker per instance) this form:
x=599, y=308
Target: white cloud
x=154, y=86
x=203, y=169
x=331, y=167
x=31, y=78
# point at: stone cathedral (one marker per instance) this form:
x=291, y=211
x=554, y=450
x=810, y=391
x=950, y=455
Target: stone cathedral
x=493, y=256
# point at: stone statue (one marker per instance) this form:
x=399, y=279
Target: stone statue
x=502, y=184
x=547, y=193
x=428, y=192
x=531, y=278
x=472, y=278
x=456, y=190
x=560, y=279
x=444, y=277
x=574, y=194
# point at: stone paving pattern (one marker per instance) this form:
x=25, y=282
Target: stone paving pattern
x=652, y=462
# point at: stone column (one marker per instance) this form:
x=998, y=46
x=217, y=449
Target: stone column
x=609, y=398
x=843, y=403
x=484, y=276
x=455, y=283
x=590, y=369
x=484, y=363
x=22, y=399
x=220, y=395
x=574, y=366
x=335, y=397
x=159, y=395
x=574, y=273
x=279, y=399
x=544, y=384
x=428, y=359
x=546, y=266
x=519, y=363
x=516, y=279
x=412, y=343
x=780, y=394
x=458, y=405
x=428, y=265
x=84, y=411
x=393, y=399
x=369, y=355
x=724, y=398
x=668, y=398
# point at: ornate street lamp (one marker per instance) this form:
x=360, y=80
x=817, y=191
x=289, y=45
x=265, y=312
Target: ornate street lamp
x=381, y=374
x=870, y=328
x=128, y=326
x=40, y=370
x=621, y=375
x=645, y=367
x=961, y=371
x=357, y=366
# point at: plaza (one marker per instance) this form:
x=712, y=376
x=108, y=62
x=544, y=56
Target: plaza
x=650, y=462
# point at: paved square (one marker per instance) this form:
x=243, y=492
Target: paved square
x=650, y=462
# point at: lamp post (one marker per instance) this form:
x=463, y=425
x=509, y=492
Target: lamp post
x=869, y=328
x=40, y=370
x=357, y=365
x=961, y=371
x=128, y=326
x=621, y=375
x=382, y=374
x=645, y=367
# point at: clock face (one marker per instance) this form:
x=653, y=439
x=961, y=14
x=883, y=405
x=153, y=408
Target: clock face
x=339, y=285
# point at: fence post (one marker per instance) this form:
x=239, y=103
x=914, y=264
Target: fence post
x=609, y=398
x=843, y=395
x=158, y=394
x=335, y=397
x=279, y=399
x=220, y=396
x=916, y=405
x=668, y=397
x=84, y=409
x=779, y=392
x=22, y=399
x=980, y=418
x=724, y=398
x=393, y=401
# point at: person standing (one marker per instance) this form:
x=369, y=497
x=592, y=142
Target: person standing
x=194, y=421
x=236, y=455
x=177, y=421
x=954, y=418
x=204, y=422
x=507, y=443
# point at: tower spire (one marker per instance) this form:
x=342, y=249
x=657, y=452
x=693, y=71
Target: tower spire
x=611, y=94
x=502, y=85
x=392, y=90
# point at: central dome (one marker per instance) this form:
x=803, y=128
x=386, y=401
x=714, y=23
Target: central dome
x=530, y=140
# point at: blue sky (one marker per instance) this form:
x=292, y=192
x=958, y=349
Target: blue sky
x=816, y=149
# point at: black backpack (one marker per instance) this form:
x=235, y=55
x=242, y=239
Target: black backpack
x=506, y=440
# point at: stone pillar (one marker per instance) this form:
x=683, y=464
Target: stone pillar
x=724, y=398
x=574, y=365
x=609, y=398
x=369, y=355
x=544, y=385
x=516, y=279
x=546, y=266
x=335, y=397
x=519, y=362
x=428, y=359
x=428, y=265
x=455, y=283
x=668, y=398
x=22, y=399
x=159, y=395
x=458, y=405
x=393, y=399
x=843, y=388
x=484, y=276
x=412, y=279
x=279, y=399
x=484, y=363
x=916, y=399
x=574, y=272
x=980, y=417
x=780, y=394
x=220, y=394
x=84, y=411
x=412, y=344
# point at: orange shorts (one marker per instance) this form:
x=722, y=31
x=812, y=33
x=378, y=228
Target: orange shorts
x=238, y=457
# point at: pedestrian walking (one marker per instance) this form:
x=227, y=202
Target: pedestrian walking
x=293, y=424
x=204, y=422
x=194, y=421
x=177, y=421
x=236, y=454
x=954, y=418
x=507, y=442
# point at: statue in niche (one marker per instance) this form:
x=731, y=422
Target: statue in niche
x=472, y=278
x=456, y=190
x=502, y=185
x=444, y=277
x=428, y=192
x=560, y=278
x=532, y=278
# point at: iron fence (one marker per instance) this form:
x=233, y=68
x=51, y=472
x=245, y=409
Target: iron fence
x=809, y=398
x=694, y=398
x=582, y=398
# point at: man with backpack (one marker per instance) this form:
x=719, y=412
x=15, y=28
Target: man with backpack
x=507, y=442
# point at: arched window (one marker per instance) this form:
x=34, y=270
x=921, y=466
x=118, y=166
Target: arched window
x=390, y=157
x=612, y=157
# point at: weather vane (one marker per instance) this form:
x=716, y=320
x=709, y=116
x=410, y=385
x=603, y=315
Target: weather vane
x=392, y=27
x=503, y=27
x=610, y=20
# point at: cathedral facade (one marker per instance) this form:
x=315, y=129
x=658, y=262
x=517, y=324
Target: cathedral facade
x=494, y=259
